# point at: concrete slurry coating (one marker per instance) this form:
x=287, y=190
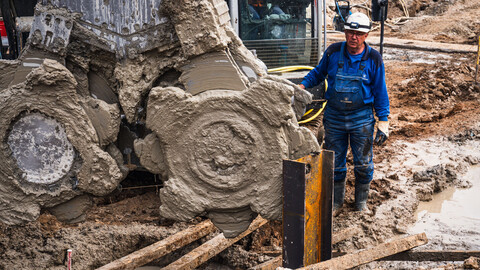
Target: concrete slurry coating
x=190, y=33
x=220, y=126
x=224, y=150
x=48, y=96
x=215, y=70
x=220, y=138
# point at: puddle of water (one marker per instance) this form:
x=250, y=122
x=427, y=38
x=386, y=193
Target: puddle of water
x=435, y=205
x=452, y=218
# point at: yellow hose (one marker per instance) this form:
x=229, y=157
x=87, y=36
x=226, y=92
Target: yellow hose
x=289, y=68
x=319, y=111
x=293, y=68
x=314, y=116
x=309, y=111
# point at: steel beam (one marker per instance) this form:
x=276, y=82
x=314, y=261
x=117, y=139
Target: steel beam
x=307, y=209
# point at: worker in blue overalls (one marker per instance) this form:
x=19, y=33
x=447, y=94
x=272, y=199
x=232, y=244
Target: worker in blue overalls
x=356, y=88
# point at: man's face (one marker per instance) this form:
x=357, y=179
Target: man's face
x=355, y=39
x=256, y=3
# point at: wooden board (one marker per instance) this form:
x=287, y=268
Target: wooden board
x=365, y=256
x=161, y=248
x=336, y=238
x=411, y=44
x=211, y=248
x=433, y=255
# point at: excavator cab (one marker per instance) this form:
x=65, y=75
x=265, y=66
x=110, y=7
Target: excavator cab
x=280, y=31
x=270, y=19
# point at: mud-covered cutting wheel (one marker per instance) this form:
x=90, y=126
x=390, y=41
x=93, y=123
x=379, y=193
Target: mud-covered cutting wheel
x=50, y=150
x=41, y=148
x=224, y=150
x=221, y=140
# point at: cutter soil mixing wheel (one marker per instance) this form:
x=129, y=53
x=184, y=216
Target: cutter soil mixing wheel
x=49, y=147
x=224, y=150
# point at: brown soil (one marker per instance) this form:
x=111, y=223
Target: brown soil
x=434, y=108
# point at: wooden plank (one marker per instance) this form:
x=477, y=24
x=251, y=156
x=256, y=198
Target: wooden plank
x=211, y=248
x=433, y=255
x=345, y=234
x=161, y=248
x=371, y=254
x=336, y=238
x=427, y=255
x=269, y=265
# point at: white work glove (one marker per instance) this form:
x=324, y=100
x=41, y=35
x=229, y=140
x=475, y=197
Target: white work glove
x=382, y=132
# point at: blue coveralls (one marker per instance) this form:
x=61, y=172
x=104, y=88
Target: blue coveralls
x=356, y=85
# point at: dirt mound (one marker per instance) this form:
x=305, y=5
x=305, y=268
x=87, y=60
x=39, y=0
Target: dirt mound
x=439, y=90
x=444, y=21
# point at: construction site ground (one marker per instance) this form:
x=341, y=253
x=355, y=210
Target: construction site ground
x=434, y=143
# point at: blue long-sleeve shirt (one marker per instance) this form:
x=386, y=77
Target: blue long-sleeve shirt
x=374, y=88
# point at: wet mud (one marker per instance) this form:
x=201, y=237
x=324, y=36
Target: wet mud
x=434, y=142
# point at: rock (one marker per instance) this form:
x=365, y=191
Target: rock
x=471, y=160
x=425, y=195
x=403, y=117
x=72, y=211
x=393, y=176
x=472, y=263
x=477, y=88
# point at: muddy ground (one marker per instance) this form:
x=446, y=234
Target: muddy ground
x=435, y=138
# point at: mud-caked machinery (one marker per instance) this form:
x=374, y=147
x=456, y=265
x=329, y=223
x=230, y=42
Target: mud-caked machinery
x=104, y=87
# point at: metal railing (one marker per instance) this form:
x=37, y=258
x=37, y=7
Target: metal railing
x=285, y=52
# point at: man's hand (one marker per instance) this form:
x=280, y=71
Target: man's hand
x=301, y=86
x=382, y=132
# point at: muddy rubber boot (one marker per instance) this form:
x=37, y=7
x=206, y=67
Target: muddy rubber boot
x=361, y=196
x=338, y=194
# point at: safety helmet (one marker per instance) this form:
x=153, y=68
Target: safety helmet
x=358, y=22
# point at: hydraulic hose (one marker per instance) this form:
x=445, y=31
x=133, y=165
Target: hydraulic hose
x=289, y=68
x=314, y=116
x=309, y=111
x=294, y=68
x=317, y=113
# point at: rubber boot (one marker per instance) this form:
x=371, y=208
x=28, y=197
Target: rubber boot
x=338, y=194
x=361, y=195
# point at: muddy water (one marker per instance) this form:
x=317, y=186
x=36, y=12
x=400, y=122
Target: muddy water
x=452, y=219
